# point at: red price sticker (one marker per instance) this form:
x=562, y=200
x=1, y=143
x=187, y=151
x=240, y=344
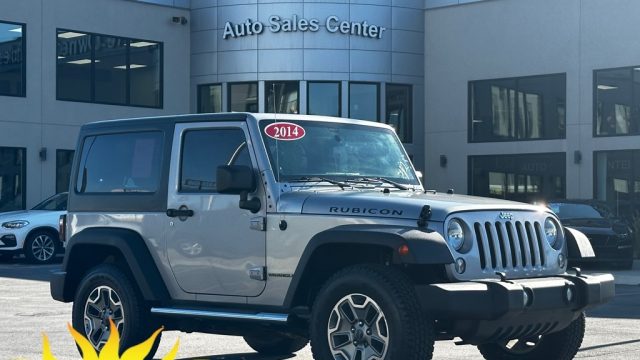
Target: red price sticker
x=284, y=131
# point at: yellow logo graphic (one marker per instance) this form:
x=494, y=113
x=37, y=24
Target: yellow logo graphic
x=110, y=349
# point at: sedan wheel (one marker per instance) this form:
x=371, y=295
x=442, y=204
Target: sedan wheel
x=40, y=247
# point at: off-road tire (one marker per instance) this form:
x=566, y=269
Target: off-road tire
x=137, y=325
x=562, y=345
x=274, y=343
x=41, y=247
x=410, y=333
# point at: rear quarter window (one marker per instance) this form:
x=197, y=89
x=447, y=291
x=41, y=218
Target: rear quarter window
x=120, y=163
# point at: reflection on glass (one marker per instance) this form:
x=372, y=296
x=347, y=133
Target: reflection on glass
x=13, y=180
x=243, y=97
x=210, y=98
x=399, y=110
x=323, y=98
x=282, y=96
x=617, y=102
x=617, y=180
x=363, y=101
x=107, y=69
x=145, y=72
x=64, y=159
x=12, y=59
x=526, y=178
x=110, y=69
x=518, y=108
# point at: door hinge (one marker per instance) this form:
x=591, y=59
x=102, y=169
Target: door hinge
x=258, y=273
x=259, y=223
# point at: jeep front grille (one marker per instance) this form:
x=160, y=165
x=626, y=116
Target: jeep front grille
x=510, y=244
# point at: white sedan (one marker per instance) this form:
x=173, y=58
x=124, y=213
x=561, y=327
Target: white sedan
x=33, y=232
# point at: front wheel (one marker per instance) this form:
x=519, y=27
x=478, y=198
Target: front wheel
x=562, y=345
x=41, y=247
x=370, y=312
x=104, y=294
x=275, y=343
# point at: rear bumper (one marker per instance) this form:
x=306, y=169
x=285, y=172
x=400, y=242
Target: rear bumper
x=488, y=311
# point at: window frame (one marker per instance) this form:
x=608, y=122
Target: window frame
x=515, y=78
x=128, y=75
x=377, y=84
x=266, y=94
x=58, y=151
x=594, y=109
x=198, y=100
x=411, y=112
x=24, y=58
x=23, y=173
x=339, y=83
x=258, y=92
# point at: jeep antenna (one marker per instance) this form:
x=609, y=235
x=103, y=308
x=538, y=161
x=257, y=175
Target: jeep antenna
x=275, y=120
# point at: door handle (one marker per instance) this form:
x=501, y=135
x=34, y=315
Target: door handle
x=183, y=212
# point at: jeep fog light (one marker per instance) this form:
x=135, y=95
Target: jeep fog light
x=568, y=294
x=461, y=265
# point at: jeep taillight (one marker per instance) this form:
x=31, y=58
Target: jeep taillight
x=62, y=228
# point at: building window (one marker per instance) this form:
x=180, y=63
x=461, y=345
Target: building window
x=120, y=163
x=617, y=180
x=108, y=69
x=363, y=101
x=13, y=178
x=210, y=98
x=525, y=108
x=203, y=151
x=323, y=98
x=64, y=160
x=243, y=97
x=617, y=101
x=282, y=97
x=400, y=110
x=526, y=178
x=12, y=59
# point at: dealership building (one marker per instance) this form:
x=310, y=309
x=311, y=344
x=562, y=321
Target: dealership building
x=515, y=99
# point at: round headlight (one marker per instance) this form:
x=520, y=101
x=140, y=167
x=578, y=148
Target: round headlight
x=455, y=234
x=551, y=231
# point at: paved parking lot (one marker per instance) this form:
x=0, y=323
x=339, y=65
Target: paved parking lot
x=26, y=310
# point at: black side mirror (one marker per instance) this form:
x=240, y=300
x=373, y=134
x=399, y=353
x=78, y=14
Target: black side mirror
x=238, y=179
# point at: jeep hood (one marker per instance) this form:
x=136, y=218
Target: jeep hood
x=396, y=204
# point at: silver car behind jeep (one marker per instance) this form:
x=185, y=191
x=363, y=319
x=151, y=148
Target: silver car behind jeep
x=289, y=228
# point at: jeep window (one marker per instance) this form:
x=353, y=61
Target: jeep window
x=128, y=162
x=203, y=151
x=341, y=152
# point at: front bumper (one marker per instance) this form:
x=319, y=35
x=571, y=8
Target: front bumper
x=8, y=242
x=493, y=310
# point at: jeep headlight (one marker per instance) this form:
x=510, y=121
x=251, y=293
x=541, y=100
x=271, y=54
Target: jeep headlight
x=551, y=231
x=455, y=234
x=15, y=224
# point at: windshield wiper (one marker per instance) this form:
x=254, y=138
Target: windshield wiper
x=380, y=179
x=318, y=178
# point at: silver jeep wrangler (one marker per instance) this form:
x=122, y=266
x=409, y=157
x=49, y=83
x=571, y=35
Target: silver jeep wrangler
x=286, y=229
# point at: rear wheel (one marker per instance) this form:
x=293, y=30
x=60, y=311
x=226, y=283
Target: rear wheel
x=370, y=312
x=104, y=294
x=276, y=343
x=562, y=345
x=41, y=247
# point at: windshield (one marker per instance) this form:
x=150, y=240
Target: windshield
x=55, y=203
x=337, y=151
x=579, y=211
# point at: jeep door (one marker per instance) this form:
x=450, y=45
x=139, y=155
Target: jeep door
x=212, y=250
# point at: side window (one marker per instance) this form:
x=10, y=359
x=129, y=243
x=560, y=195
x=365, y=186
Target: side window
x=120, y=163
x=203, y=151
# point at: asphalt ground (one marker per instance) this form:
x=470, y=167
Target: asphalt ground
x=27, y=311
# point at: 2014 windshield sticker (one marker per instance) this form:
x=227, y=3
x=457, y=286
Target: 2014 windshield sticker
x=284, y=131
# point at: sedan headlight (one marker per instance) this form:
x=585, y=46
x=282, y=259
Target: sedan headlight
x=455, y=234
x=551, y=231
x=15, y=224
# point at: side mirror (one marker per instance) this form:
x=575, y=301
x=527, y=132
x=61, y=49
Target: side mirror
x=235, y=179
x=238, y=179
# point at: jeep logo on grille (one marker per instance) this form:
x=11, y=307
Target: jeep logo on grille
x=506, y=216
